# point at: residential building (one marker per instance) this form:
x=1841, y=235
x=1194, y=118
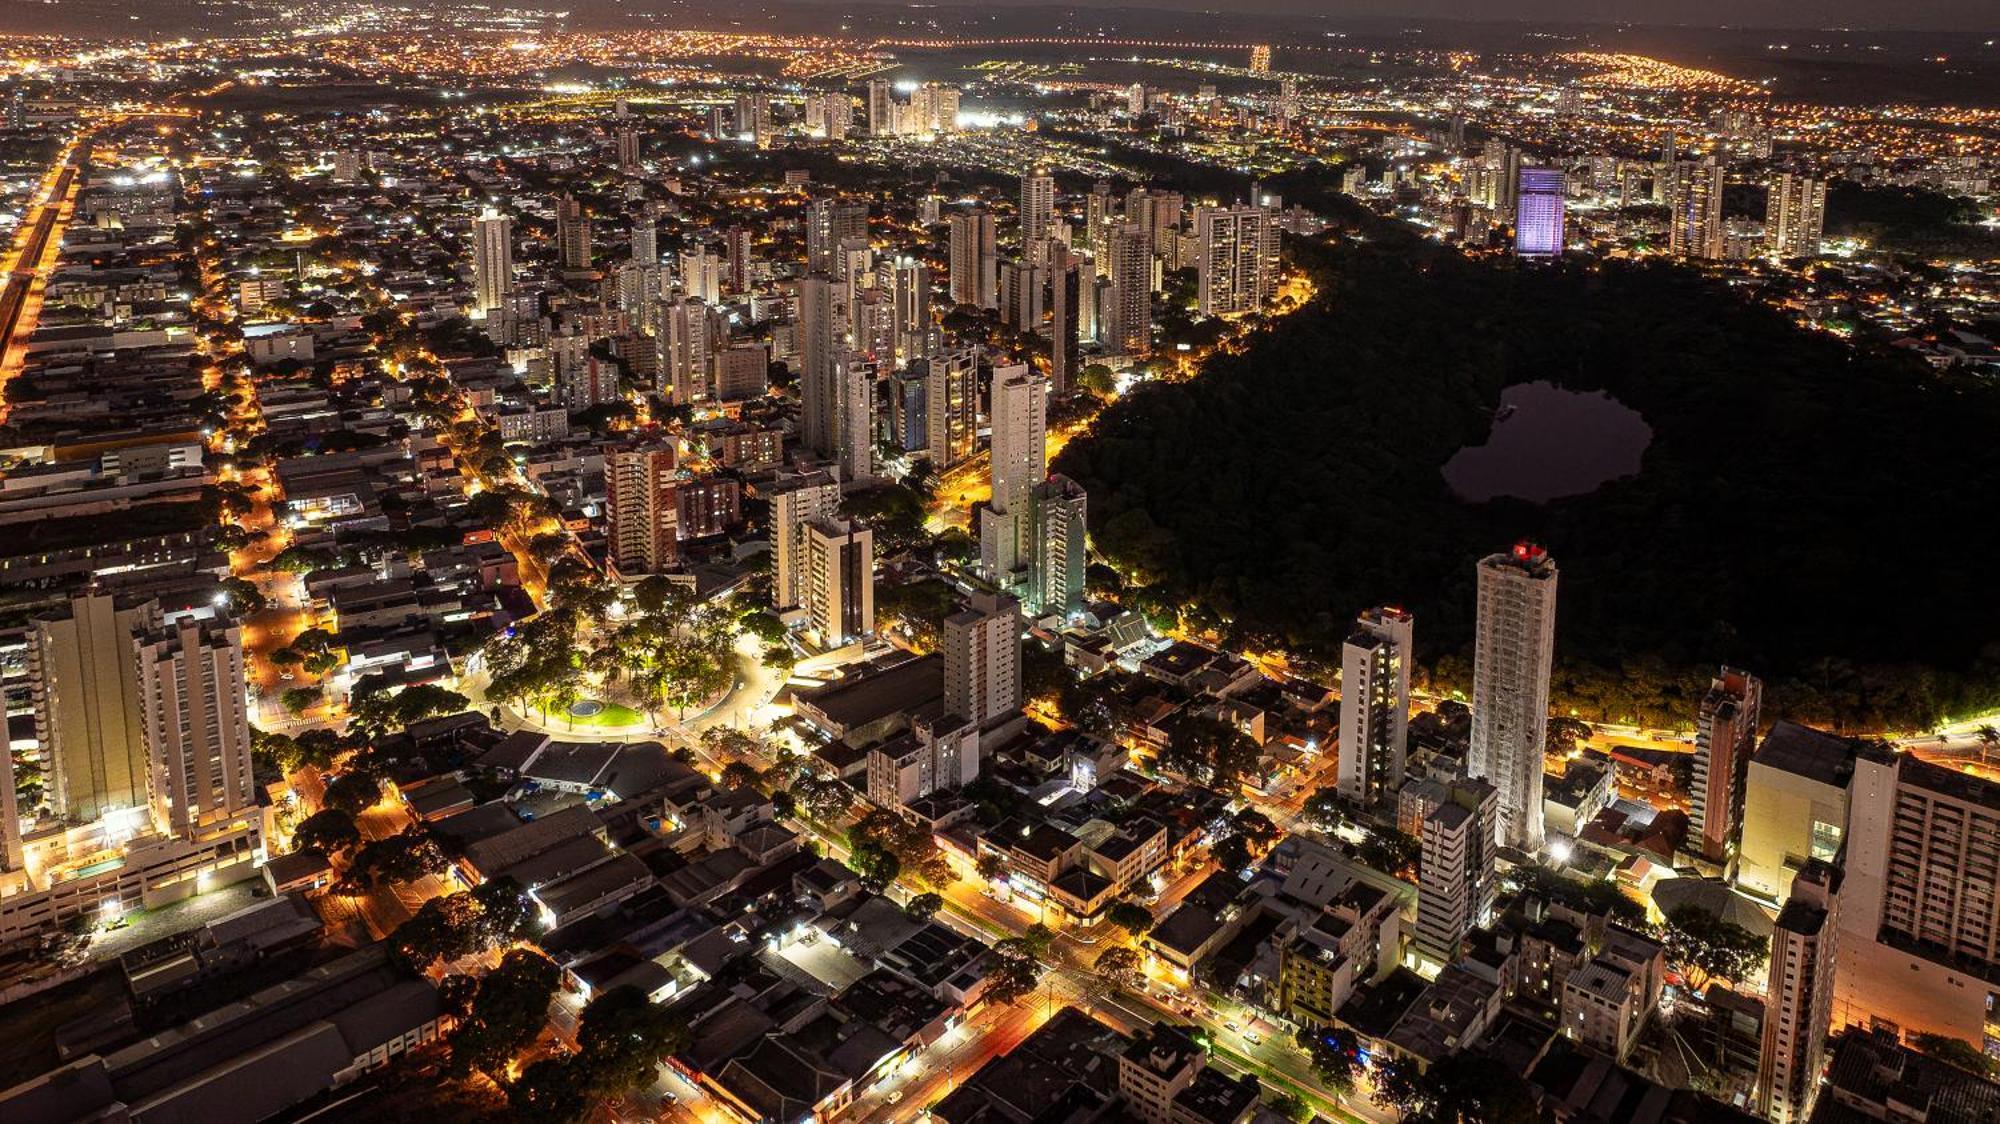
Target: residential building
x=1155, y=1068
x=1237, y=263
x=1695, y=203
x=642, y=513
x=1513, y=652
x=820, y=344
x=1038, y=202
x=193, y=712
x=951, y=406
x=572, y=234
x=1799, y=998
x=939, y=752
x=88, y=715
x=982, y=660
x=492, y=261
x=1795, y=807
x=1725, y=739
x=1794, y=216
x=1019, y=463
x=975, y=259
x=1125, y=325
x=1455, y=882
x=1062, y=554
x=1375, y=705
x=840, y=581
x=830, y=224
x=796, y=503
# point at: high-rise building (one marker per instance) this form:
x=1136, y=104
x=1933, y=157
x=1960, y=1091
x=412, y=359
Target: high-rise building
x=1455, y=879
x=830, y=225
x=1725, y=738
x=982, y=660
x=1260, y=59
x=840, y=581
x=701, y=275
x=753, y=116
x=1798, y=1005
x=1021, y=293
x=881, y=108
x=975, y=259
x=1794, y=216
x=642, y=529
x=736, y=245
x=1061, y=548
x=1695, y=210
x=914, y=332
x=1375, y=705
x=1066, y=290
x=1512, y=657
x=492, y=261
x=940, y=752
x=572, y=234
x=346, y=166
x=193, y=711
x=820, y=343
x=1126, y=324
x=854, y=416
x=1538, y=212
x=1038, y=208
x=829, y=113
x=1020, y=462
x=742, y=371
x=796, y=503
x=951, y=406
x=687, y=342
x=628, y=149
x=88, y=717
x=1238, y=258
x=645, y=240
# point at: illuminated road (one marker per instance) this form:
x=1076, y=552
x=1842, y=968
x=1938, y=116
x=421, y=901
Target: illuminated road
x=25, y=272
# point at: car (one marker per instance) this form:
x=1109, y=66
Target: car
x=669, y=1097
x=287, y=676
x=895, y=1097
x=1253, y=1038
x=1230, y=1027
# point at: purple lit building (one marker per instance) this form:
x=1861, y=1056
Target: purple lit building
x=1538, y=218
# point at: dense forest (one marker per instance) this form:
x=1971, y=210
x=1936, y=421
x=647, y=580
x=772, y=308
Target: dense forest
x=1815, y=514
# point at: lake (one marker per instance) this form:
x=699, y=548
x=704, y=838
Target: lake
x=1548, y=443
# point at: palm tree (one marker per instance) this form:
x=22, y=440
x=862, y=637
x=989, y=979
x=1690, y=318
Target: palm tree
x=1989, y=738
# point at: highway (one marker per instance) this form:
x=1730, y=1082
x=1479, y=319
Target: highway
x=25, y=272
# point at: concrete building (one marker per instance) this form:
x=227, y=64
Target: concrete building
x=1695, y=228
x=1375, y=705
x=1038, y=204
x=1154, y=1070
x=193, y=712
x=572, y=234
x=1512, y=658
x=1725, y=738
x=1062, y=554
x=1799, y=997
x=831, y=224
x=939, y=752
x=975, y=259
x=982, y=660
x=951, y=406
x=1795, y=802
x=1455, y=884
x=820, y=346
x=1794, y=216
x=88, y=717
x=840, y=581
x=1237, y=262
x=1538, y=215
x=1007, y=546
x=796, y=503
x=642, y=530
x=492, y=261
x=1126, y=324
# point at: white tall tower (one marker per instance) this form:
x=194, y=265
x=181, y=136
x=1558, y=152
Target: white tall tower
x=1375, y=705
x=1512, y=658
x=796, y=503
x=1020, y=462
x=1238, y=263
x=193, y=708
x=819, y=344
x=1038, y=206
x=492, y=261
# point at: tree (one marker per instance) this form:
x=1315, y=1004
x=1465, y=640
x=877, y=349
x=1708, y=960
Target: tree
x=1120, y=965
x=330, y=832
x=353, y=792
x=1016, y=971
x=738, y=775
x=1291, y=1107
x=505, y=912
x=1335, y=1055
x=625, y=1037
x=875, y=864
x=405, y=857
x=1232, y=853
x=1459, y=1088
x=1706, y=947
x=508, y=1010
x=1130, y=916
x=990, y=866
x=1954, y=1052
x=923, y=907
x=555, y=1090
x=298, y=700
